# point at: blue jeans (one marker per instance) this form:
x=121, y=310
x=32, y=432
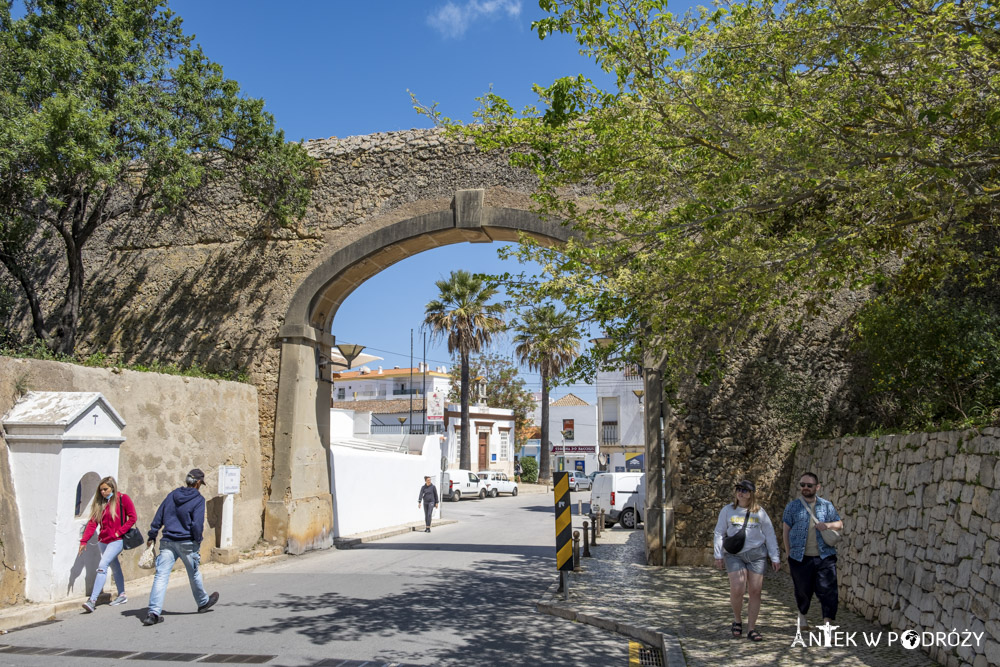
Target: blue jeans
x=187, y=552
x=109, y=558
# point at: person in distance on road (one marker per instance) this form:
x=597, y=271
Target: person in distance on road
x=428, y=496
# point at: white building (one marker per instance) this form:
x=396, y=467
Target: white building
x=620, y=413
x=573, y=434
x=394, y=397
x=491, y=440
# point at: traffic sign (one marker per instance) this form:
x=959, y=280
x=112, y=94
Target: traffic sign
x=564, y=522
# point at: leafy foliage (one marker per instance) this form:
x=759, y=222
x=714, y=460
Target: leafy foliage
x=932, y=359
x=108, y=110
x=463, y=315
x=529, y=470
x=755, y=158
x=504, y=388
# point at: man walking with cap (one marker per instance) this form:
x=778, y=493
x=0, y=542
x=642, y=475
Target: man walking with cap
x=182, y=516
x=428, y=496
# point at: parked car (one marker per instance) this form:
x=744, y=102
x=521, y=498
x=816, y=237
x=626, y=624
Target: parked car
x=497, y=482
x=592, y=476
x=462, y=483
x=611, y=492
x=635, y=507
x=577, y=481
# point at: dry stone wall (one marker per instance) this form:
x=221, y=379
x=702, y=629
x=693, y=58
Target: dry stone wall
x=922, y=523
x=173, y=424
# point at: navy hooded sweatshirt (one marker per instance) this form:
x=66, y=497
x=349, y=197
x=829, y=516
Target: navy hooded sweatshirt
x=182, y=516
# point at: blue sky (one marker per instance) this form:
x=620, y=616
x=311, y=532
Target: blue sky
x=343, y=68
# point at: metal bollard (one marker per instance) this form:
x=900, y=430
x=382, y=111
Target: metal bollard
x=579, y=507
x=586, y=540
x=576, y=550
x=603, y=525
x=593, y=533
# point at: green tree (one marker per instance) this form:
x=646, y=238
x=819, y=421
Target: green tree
x=547, y=341
x=108, y=111
x=754, y=158
x=504, y=388
x=463, y=315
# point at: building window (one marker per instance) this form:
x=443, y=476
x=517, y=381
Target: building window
x=341, y=394
x=505, y=445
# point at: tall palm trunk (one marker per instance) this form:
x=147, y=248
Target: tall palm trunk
x=465, y=451
x=545, y=451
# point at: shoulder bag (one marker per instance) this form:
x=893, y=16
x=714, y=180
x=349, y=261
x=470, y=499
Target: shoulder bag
x=734, y=543
x=830, y=536
x=133, y=538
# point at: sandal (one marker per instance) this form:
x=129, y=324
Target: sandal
x=737, y=629
x=753, y=635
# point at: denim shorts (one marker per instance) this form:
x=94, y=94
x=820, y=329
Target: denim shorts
x=754, y=560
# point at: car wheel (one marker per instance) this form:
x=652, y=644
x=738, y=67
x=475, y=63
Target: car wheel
x=482, y=493
x=514, y=492
x=576, y=487
x=608, y=523
x=628, y=519
x=494, y=493
x=456, y=496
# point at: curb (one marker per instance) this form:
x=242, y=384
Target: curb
x=19, y=616
x=669, y=644
x=352, y=541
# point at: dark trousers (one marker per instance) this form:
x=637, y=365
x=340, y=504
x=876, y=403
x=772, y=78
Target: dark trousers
x=428, y=510
x=815, y=575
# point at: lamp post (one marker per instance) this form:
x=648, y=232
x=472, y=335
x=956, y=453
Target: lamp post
x=638, y=394
x=350, y=352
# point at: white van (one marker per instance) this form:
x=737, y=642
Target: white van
x=462, y=483
x=611, y=492
x=634, y=510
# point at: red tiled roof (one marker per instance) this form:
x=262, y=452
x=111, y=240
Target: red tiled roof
x=380, y=407
x=569, y=399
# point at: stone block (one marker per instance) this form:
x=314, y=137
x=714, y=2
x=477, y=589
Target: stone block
x=980, y=661
x=966, y=493
x=964, y=514
x=225, y=555
x=958, y=469
x=966, y=545
x=991, y=649
x=912, y=613
x=981, y=501
x=972, y=464
x=977, y=583
x=963, y=573
x=986, y=469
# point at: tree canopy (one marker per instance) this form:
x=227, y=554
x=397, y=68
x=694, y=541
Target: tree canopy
x=756, y=157
x=108, y=110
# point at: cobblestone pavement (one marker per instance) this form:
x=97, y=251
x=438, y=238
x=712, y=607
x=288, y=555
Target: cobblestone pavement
x=692, y=604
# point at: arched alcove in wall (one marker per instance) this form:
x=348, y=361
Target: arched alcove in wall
x=299, y=512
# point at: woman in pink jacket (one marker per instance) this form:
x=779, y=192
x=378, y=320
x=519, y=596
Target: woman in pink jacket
x=115, y=514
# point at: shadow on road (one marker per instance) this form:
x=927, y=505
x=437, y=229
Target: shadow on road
x=491, y=608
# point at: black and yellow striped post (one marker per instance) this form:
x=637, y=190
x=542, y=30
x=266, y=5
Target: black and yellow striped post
x=564, y=528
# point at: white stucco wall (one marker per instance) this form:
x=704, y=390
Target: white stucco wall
x=373, y=490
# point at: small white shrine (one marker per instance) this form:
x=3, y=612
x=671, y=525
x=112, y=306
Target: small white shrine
x=61, y=445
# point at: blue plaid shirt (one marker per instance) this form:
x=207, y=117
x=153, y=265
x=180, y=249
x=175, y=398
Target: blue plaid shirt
x=797, y=518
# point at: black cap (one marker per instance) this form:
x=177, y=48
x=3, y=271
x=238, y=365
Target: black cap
x=197, y=475
x=747, y=484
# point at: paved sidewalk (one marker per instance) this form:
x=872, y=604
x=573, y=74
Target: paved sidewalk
x=689, y=606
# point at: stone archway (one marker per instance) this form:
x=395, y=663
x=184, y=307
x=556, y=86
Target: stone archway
x=299, y=511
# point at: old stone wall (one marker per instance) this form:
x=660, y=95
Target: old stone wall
x=922, y=531
x=173, y=424
x=212, y=286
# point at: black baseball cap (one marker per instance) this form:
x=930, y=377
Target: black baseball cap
x=746, y=484
x=197, y=475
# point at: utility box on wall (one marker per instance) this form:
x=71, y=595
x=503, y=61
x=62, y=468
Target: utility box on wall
x=61, y=445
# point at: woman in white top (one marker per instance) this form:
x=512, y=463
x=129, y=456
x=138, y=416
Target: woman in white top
x=746, y=568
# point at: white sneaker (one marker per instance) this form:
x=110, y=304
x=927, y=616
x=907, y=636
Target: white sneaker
x=121, y=599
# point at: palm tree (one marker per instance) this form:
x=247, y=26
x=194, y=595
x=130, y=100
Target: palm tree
x=547, y=342
x=461, y=313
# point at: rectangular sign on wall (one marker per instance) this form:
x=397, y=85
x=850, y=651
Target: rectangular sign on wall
x=435, y=406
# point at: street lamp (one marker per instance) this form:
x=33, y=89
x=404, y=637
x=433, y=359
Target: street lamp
x=349, y=352
x=638, y=394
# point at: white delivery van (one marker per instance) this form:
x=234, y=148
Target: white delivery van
x=611, y=492
x=458, y=484
x=634, y=510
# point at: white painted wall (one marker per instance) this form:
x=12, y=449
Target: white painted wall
x=49, y=456
x=373, y=490
x=500, y=418
x=629, y=416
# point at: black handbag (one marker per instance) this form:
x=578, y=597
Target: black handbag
x=734, y=543
x=133, y=538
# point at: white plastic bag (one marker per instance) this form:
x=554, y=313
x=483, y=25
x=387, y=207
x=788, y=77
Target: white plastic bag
x=147, y=560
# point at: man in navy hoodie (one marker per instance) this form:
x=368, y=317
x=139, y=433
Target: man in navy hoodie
x=181, y=515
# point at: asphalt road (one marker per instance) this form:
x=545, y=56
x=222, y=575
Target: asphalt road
x=462, y=595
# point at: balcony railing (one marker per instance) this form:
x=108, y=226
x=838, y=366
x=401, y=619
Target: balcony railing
x=609, y=434
x=407, y=429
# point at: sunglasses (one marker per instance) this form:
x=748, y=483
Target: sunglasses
x=740, y=489
x=806, y=485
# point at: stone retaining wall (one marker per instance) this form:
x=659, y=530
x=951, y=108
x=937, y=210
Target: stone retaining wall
x=173, y=424
x=922, y=522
